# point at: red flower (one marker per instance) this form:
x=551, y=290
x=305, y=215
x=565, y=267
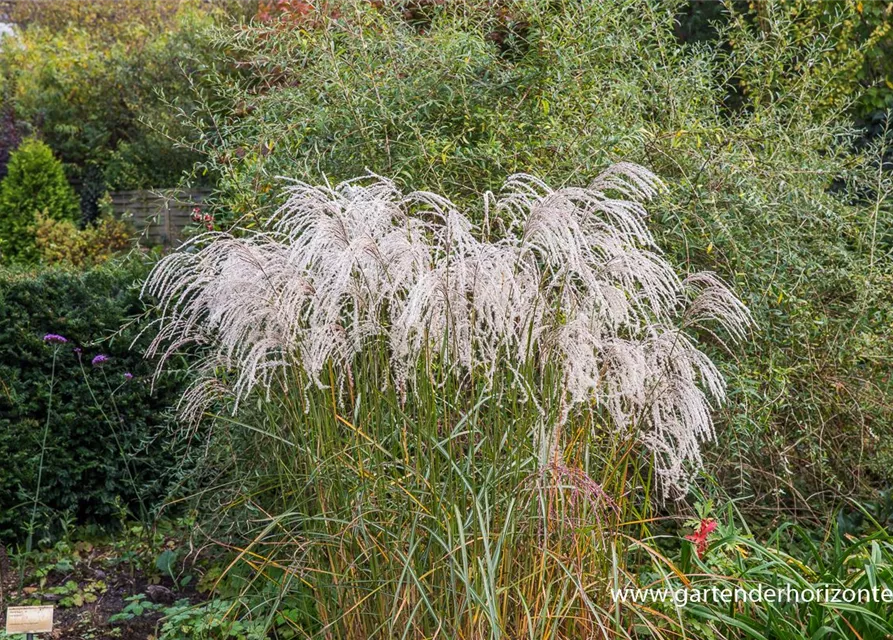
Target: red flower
x=699, y=537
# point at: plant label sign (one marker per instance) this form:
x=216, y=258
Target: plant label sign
x=29, y=620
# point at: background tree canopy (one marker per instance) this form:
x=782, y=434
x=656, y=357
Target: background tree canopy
x=90, y=80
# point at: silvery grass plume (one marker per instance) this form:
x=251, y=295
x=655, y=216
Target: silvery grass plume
x=569, y=279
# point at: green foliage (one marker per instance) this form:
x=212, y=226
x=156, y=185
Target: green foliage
x=91, y=79
x=72, y=594
x=766, y=184
x=103, y=583
x=136, y=606
x=855, y=38
x=108, y=19
x=35, y=185
x=10, y=129
x=846, y=573
x=437, y=502
x=102, y=455
x=213, y=620
x=62, y=242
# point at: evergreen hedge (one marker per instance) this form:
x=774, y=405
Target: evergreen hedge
x=85, y=478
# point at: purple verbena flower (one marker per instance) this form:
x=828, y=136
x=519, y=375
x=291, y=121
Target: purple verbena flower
x=99, y=360
x=78, y=350
x=54, y=338
x=128, y=376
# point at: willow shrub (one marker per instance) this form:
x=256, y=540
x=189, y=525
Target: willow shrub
x=856, y=63
x=766, y=185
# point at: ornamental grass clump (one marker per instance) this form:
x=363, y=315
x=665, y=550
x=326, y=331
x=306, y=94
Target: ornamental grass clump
x=566, y=283
x=444, y=423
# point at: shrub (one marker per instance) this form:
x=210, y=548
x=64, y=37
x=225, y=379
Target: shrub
x=855, y=36
x=61, y=242
x=84, y=476
x=35, y=185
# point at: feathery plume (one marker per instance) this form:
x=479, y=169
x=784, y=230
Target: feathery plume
x=574, y=281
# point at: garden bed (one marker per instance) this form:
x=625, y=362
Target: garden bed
x=119, y=587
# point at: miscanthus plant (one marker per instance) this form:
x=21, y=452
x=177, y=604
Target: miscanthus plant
x=503, y=353
x=566, y=279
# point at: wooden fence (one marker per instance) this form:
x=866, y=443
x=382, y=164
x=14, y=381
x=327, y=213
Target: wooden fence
x=158, y=216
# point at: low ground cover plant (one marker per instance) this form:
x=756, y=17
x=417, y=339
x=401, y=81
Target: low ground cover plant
x=130, y=583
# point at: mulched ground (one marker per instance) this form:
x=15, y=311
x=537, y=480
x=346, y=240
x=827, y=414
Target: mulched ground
x=89, y=621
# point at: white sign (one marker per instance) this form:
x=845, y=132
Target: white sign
x=29, y=620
